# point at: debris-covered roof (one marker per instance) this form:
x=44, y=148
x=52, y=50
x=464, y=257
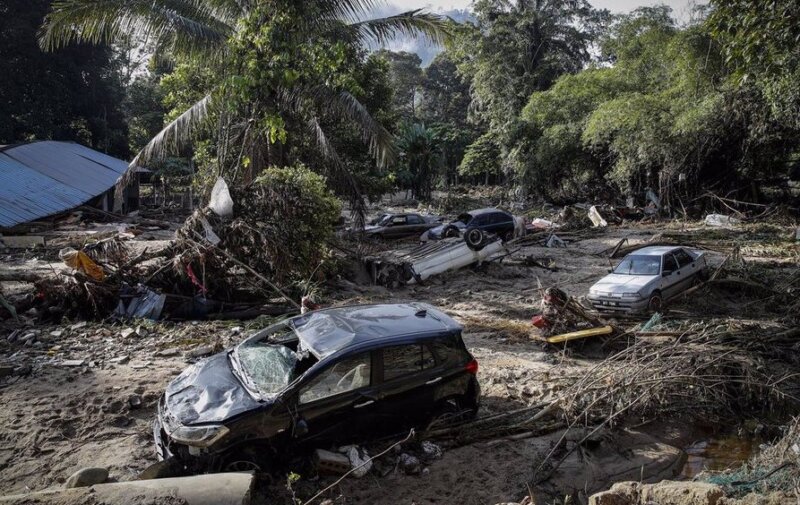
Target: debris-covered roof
x=42, y=178
x=326, y=332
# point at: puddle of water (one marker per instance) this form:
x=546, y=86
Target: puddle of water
x=718, y=453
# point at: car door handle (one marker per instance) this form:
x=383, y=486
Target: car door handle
x=434, y=381
x=360, y=405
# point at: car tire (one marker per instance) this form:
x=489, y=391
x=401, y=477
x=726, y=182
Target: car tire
x=475, y=239
x=656, y=302
x=450, y=232
x=249, y=459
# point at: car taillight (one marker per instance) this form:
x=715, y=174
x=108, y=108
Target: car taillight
x=472, y=367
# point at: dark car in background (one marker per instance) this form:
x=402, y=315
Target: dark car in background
x=401, y=225
x=489, y=220
x=326, y=377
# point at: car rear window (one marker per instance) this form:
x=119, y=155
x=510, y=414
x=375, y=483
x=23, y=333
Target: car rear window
x=402, y=360
x=449, y=350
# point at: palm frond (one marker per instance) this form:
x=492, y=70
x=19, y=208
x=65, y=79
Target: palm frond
x=342, y=179
x=175, y=136
x=380, y=141
x=407, y=24
x=182, y=26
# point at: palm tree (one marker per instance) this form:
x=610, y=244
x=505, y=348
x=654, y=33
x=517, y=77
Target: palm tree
x=212, y=31
x=420, y=153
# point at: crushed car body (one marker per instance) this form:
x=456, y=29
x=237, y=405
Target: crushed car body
x=325, y=377
x=644, y=279
x=398, y=268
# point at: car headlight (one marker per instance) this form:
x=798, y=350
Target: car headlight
x=631, y=295
x=199, y=436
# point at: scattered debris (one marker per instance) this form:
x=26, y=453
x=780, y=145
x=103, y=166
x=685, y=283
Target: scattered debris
x=332, y=463
x=410, y=465
x=596, y=219
x=721, y=220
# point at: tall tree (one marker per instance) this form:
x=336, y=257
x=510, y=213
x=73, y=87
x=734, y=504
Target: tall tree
x=74, y=94
x=406, y=74
x=280, y=66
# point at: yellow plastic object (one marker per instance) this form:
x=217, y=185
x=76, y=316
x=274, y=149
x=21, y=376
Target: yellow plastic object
x=81, y=262
x=591, y=332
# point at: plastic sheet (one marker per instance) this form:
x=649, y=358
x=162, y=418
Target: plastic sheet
x=221, y=202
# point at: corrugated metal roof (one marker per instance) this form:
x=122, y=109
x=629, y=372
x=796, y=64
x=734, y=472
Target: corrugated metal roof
x=43, y=178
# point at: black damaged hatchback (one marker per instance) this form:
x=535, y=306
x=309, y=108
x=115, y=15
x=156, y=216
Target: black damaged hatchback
x=321, y=379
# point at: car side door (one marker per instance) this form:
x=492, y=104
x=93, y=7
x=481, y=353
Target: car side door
x=415, y=224
x=669, y=275
x=338, y=401
x=397, y=227
x=503, y=223
x=687, y=268
x=408, y=379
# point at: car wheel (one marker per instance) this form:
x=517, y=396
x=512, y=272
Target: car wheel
x=655, y=302
x=250, y=459
x=475, y=239
x=242, y=465
x=451, y=232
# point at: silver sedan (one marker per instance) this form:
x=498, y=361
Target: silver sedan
x=646, y=278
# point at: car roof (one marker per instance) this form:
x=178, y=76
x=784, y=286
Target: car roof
x=487, y=210
x=326, y=332
x=656, y=250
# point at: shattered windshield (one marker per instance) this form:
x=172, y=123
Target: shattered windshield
x=639, y=265
x=270, y=366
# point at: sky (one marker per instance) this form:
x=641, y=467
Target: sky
x=680, y=8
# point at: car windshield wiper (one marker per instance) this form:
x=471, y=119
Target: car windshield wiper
x=239, y=372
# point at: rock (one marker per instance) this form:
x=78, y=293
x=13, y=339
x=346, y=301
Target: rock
x=203, y=350
x=664, y=493
x=120, y=360
x=409, y=464
x=168, y=353
x=56, y=333
x=135, y=401
x=431, y=450
x=30, y=336
x=13, y=336
x=86, y=477
x=127, y=332
x=236, y=330
x=142, y=331
x=78, y=326
x=73, y=362
x=682, y=493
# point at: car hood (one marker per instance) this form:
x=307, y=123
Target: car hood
x=620, y=283
x=208, y=392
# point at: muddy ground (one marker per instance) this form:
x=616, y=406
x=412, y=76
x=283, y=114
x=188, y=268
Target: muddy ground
x=91, y=393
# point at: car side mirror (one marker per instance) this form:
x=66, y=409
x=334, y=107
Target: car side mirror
x=666, y=273
x=300, y=428
x=611, y=270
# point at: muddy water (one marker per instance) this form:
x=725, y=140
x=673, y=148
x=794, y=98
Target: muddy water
x=718, y=452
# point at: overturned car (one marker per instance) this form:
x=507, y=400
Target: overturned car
x=320, y=379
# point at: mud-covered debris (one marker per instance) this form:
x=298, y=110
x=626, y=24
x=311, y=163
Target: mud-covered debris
x=73, y=362
x=410, y=465
x=168, y=353
x=120, y=360
x=87, y=477
x=328, y=462
x=6, y=370
x=127, y=332
x=430, y=450
x=200, y=351
x=135, y=401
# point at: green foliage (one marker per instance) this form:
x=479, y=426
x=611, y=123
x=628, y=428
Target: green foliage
x=73, y=94
x=482, y=157
x=420, y=153
x=297, y=212
x=406, y=78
